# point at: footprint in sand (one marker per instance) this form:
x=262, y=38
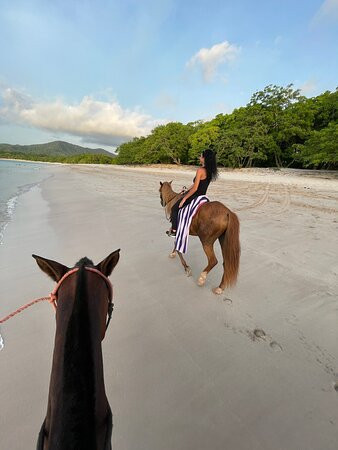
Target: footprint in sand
x=259, y=334
x=228, y=301
x=275, y=346
x=335, y=386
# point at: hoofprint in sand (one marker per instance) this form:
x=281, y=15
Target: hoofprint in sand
x=255, y=368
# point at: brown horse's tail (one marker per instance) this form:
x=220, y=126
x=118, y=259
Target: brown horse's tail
x=231, y=250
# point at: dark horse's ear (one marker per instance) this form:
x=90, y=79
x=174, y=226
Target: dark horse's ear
x=171, y=182
x=161, y=183
x=107, y=265
x=53, y=269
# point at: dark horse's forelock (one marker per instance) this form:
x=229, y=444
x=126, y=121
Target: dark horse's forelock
x=84, y=262
x=78, y=421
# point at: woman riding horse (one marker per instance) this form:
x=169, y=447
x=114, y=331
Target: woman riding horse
x=208, y=172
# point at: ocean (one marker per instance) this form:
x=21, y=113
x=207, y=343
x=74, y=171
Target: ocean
x=16, y=178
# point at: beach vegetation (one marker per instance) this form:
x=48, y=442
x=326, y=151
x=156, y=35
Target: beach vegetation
x=279, y=127
x=75, y=159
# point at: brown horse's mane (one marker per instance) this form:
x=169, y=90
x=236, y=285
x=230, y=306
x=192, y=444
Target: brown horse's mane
x=169, y=196
x=78, y=421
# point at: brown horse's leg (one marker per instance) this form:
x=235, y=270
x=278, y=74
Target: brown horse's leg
x=185, y=265
x=173, y=253
x=212, y=261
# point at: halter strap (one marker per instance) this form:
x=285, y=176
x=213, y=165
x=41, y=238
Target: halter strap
x=53, y=294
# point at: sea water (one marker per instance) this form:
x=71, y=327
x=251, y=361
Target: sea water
x=16, y=178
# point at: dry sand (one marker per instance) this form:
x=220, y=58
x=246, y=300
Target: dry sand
x=254, y=368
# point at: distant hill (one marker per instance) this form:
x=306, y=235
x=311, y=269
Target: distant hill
x=56, y=148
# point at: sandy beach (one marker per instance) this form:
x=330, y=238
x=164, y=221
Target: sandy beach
x=253, y=369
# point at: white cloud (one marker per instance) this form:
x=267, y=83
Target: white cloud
x=96, y=121
x=210, y=58
x=308, y=87
x=327, y=12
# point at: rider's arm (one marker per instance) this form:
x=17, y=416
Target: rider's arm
x=194, y=187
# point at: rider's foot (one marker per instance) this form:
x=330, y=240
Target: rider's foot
x=171, y=232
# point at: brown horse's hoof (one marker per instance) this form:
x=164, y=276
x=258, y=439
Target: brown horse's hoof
x=217, y=291
x=202, y=279
x=172, y=255
x=188, y=272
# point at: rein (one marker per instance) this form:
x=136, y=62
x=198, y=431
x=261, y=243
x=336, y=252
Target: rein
x=172, y=198
x=52, y=298
x=175, y=197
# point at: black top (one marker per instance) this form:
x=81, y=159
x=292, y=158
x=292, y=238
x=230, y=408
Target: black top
x=202, y=187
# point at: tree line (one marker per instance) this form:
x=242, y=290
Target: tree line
x=279, y=127
x=86, y=158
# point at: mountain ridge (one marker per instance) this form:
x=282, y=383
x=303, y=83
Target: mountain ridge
x=54, y=148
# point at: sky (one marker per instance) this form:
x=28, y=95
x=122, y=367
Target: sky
x=100, y=73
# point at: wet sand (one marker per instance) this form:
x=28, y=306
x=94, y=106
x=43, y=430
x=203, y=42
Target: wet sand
x=254, y=368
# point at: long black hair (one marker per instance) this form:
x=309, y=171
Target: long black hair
x=210, y=164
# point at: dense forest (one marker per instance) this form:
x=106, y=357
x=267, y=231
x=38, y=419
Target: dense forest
x=278, y=128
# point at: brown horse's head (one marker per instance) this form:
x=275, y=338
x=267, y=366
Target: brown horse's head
x=166, y=192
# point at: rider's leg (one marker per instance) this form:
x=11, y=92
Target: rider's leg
x=174, y=216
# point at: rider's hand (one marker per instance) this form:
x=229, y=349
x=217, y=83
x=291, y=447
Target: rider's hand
x=181, y=202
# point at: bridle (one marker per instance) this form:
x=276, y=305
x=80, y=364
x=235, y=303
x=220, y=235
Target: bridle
x=53, y=294
x=163, y=204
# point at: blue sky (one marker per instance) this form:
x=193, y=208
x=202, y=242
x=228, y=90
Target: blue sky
x=99, y=73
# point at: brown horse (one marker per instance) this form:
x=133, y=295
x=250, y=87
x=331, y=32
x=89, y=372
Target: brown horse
x=212, y=221
x=78, y=412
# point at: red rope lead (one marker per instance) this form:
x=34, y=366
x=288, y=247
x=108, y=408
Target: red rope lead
x=52, y=298
x=22, y=308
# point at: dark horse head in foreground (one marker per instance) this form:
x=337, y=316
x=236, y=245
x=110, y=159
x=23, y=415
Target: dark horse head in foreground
x=78, y=412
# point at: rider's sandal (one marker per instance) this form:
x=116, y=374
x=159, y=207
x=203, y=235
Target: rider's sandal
x=171, y=233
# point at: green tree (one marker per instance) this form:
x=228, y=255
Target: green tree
x=297, y=125
x=131, y=152
x=170, y=143
x=243, y=140
x=321, y=149
x=326, y=109
x=275, y=100
x=204, y=137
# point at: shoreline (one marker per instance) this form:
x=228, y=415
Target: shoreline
x=13, y=187
x=30, y=161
